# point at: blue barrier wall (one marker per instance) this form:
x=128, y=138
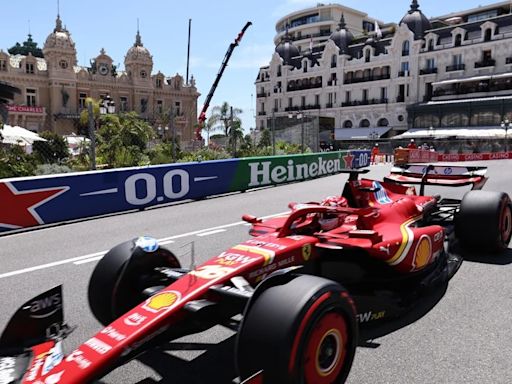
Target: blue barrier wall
x=27, y=202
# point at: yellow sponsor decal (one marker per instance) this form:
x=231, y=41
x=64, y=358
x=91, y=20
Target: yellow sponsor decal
x=306, y=252
x=163, y=300
x=210, y=272
x=407, y=239
x=266, y=253
x=423, y=252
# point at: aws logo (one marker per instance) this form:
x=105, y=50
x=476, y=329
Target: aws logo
x=44, y=307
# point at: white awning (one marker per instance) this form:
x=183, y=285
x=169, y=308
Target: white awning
x=461, y=133
x=474, y=78
x=18, y=135
x=464, y=80
x=359, y=133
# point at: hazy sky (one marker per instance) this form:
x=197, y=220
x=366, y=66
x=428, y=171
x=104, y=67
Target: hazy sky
x=112, y=25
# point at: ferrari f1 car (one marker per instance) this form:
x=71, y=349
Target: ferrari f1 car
x=305, y=283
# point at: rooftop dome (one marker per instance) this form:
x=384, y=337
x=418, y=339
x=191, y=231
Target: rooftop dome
x=342, y=37
x=59, y=38
x=138, y=53
x=286, y=50
x=416, y=21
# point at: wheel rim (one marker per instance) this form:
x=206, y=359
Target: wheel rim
x=506, y=224
x=325, y=349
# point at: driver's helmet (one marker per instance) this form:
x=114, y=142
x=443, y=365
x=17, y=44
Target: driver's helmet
x=329, y=221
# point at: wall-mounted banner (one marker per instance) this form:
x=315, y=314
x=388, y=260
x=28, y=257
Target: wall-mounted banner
x=28, y=202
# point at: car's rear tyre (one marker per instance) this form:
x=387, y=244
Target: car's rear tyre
x=484, y=221
x=301, y=329
x=120, y=277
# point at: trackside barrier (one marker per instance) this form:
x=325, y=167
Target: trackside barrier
x=475, y=156
x=404, y=155
x=32, y=201
x=384, y=159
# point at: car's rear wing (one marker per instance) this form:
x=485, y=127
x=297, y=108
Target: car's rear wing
x=440, y=175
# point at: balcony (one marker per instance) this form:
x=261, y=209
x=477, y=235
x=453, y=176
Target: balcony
x=275, y=110
x=484, y=88
x=302, y=84
x=428, y=71
x=332, y=82
x=485, y=63
x=328, y=105
x=508, y=60
x=367, y=78
x=403, y=73
x=357, y=103
x=456, y=67
x=400, y=99
x=261, y=94
x=262, y=113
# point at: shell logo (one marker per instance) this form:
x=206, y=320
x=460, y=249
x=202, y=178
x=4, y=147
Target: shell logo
x=422, y=253
x=163, y=300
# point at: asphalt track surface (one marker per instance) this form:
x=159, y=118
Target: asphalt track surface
x=463, y=335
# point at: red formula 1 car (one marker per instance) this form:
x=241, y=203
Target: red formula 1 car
x=305, y=283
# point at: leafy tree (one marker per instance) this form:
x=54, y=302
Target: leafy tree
x=236, y=134
x=14, y=162
x=265, y=139
x=54, y=150
x=222, y=115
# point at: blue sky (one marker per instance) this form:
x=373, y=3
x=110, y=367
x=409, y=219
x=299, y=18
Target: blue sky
x=112, y=25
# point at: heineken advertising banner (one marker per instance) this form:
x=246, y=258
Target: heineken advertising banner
x=32, y=201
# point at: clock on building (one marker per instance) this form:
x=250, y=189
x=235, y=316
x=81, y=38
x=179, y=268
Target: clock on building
x=103, y=69
x=143, y=74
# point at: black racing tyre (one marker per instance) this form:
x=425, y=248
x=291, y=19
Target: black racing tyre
x=299, y=330
x=120, y=277
x=484, y=221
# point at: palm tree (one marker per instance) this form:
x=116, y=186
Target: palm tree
x=222, y=114
x=236, y=134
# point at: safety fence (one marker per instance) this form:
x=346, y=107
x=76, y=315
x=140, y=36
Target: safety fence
x=32, y=201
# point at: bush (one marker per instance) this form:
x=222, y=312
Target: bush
x=49, y=169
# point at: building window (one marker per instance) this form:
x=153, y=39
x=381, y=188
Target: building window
x=367, y=55
x=458, y=40
x=431, y=63
x=330, y=98
x=31, y=97
x=347, y=124
x=279, y=70
x=368, y=26
x=482, y=16
x=347, y=96
x=486, y=55
x=29, y=68
x=63, y=64
x=81, y=100
x=159, y=82
x=3, y=65
x=317, y=100
x=159, y=106
x=334, y=60
x=365, y=123
x=276, y=105
x=303, y=101
x=177, y=108
x=383, y=94
x=123, y=107
x=365, y=95
x=383, y=122
x=143, y=74
x=488, y=34
x=290, y=102
x=305, y=65
x=430, y=44
x=405, y=48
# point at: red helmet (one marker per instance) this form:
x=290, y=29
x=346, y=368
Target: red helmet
x=334, y=201
x=329, y=221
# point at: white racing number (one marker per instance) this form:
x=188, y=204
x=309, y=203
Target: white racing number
x=176, y=185
x=363, y=159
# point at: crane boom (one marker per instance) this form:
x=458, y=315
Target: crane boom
x=229, y=52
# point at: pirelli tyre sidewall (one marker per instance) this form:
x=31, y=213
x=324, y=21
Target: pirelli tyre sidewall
x=120, y=277
x=484, y=221
x=302, y=329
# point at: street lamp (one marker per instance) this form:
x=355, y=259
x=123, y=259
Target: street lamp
x=299, y=115
x=506, y=125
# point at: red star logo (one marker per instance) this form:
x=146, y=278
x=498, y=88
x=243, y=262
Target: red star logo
x=18, y=208
x=348, y=160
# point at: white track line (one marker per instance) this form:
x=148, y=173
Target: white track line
x=97, y=255
x=211, y=232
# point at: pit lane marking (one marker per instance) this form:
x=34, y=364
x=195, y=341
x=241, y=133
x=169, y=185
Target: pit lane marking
x=98, y=255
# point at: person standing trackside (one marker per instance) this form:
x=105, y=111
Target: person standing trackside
x=375, y=153
x=412, y=145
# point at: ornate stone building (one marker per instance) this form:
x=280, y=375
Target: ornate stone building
x=54, y=88
x=369, y=79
